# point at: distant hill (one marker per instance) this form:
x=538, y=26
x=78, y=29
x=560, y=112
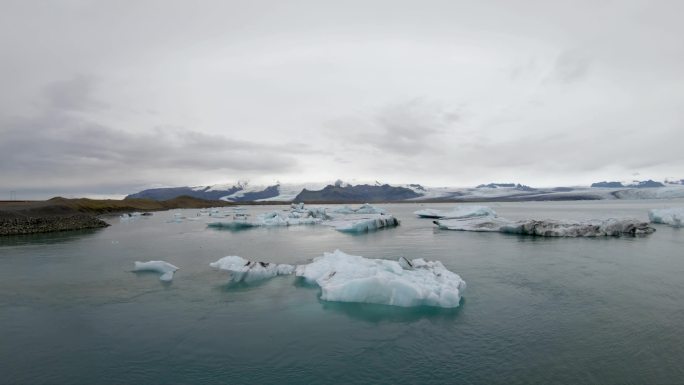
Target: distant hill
x=161, y=194
x=357, y=194
x=518, y=186
x=637, y=184
x=237, y=193
x=605, y=184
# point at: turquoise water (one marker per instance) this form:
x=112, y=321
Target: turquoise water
x=536, y=310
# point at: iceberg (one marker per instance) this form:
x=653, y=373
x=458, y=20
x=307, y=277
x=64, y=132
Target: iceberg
x=457, y=212
x=242, y=270
x=269, y=219
x=232, y=225
x=549, y=228
x=369, y=209
x=355, y=224
x=166, y=269
x=343, y=210
x=349, y=278
x=672, y=217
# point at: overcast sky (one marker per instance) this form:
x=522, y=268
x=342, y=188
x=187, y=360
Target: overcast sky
x=108, y=97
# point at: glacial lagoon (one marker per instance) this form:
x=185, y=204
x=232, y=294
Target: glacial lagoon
x=536, y=310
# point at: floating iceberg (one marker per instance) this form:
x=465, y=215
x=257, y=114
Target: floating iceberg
x=355, y=224
x=166, y=269
x=269, y=219
x=457, y=213
x=242, y=270
x=549, y=228
x=232, y=225
x=349, y=278
x=672, y=217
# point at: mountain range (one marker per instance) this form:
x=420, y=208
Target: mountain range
x=340, y=192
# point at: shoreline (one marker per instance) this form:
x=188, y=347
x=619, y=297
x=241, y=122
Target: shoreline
x=61, y=214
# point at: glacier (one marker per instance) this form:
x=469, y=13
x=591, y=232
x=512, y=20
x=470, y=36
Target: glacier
x=671, y=216
x=549, y=228
x=166, y=269
x=464, y=211
x=350, y=278
x=242, y=270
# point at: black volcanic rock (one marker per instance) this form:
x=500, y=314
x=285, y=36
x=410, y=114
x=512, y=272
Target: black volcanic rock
x=359, y=194
x=605, y=184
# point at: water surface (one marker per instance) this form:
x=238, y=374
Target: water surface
x=536, y=310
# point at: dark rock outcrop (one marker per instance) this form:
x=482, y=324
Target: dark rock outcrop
x=605, y=184
x=357, y=194
x=47, y=224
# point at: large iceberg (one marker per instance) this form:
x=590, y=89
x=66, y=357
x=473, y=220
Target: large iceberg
x=355, y=224
x=549, y=228
x=271, y=219
x=457, y=212
x=366, y=218
x=242, y=270
x=349, y=278
x=166, y=269
x=672, y=217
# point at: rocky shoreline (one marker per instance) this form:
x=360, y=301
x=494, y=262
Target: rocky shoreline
x=32, y=225
x=61, y=214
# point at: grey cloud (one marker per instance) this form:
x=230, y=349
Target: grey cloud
x=74, y=94
x=408, y=128
x=177, y=94
x=60, y=146
x=570, y=66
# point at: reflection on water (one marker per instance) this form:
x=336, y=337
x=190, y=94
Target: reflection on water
x=384, y=313
x=47, y=238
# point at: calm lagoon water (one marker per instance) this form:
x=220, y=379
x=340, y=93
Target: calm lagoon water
x=536, y=310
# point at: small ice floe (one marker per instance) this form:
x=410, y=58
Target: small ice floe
x=458, y=212
x=242, y=270
x=672, y=216
x=549, y=228
x=349, y=278
x=129, y=216
x=363, y=225
x=166, y=269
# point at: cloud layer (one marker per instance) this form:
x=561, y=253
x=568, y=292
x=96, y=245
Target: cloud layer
x=104, y=98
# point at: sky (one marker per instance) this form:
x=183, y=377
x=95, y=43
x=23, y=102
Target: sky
x=109, y=97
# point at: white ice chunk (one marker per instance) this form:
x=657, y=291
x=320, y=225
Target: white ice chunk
x=549, y=228
x=343, y=210
x=269, y=219
x=349, y=278
x=458, y=212
x=242, y=270
x=369, y=209
x=166, y=269
x=671, y=216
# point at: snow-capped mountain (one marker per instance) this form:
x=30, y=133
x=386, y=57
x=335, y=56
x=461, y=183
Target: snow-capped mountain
x=340, y=191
